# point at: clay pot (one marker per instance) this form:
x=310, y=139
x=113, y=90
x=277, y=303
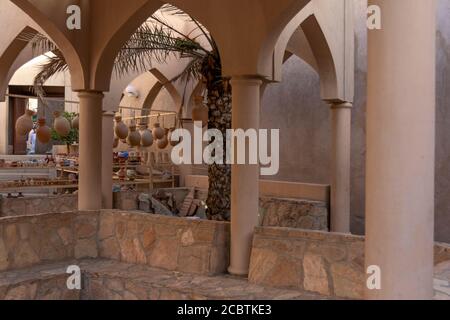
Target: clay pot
x=146, y=137
x=24, y=124
x=121, y=128
x=173, y=143
x=134, y=137
x=61, y=125
x=158, y=132
x=200, y=112
x=43, y=133
x=164, y=142
x=116, y=142
x=76, y=123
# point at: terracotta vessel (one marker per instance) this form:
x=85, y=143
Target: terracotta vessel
x=134, y=137
x=200, y=112
x=76, y=123
x=43, y=133
x=61, y=124
x=121, y=128
x=146, y=137
x=116, y=142
x=164, y=142
x=158, y=132
x=173, y=143
x=24, y=124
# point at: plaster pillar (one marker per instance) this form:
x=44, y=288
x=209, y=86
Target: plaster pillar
x=244, y=178
x=107, y=159
x=401, y=149
x=341, y=123
x=90, y=160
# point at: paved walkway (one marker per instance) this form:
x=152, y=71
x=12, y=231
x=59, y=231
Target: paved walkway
x=112, y=280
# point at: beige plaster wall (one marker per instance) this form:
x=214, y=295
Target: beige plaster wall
x=296, y=108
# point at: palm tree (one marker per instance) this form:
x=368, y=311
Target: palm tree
x=157, y=40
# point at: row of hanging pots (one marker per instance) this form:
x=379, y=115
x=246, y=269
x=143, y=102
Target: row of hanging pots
x=62, y=126
x=144, y=137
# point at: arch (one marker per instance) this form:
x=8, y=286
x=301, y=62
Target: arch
x=104, y=62
x=154, y=81
x=166, y=83
x=10, y=56
x=266, y=55
x=78, y=69
x=303, y=36
x=324, y=57
x=322, y=35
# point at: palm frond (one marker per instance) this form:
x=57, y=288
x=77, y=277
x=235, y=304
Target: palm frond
x=55, y=64
x=155, y=40
x=40, y=43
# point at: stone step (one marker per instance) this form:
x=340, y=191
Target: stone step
x=112, y=280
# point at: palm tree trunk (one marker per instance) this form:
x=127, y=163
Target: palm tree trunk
x=218, y=202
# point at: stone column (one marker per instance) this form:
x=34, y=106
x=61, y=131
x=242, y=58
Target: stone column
x=90, y=166
x=401, y=148
x=244, y=178
x=341, y=123
x=107, y=159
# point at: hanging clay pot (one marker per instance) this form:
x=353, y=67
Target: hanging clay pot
x=76, y=123
x=61, y=124
x=146, y=137
x=200, y=111
x=121, y=128
x=116, y=142
x=24, y=124
x=164, y=142
x=158, y=132
x=43, y=133
x=134, y=138
x=173, y=143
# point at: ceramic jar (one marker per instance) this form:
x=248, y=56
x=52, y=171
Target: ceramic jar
x=164, y=142
x=158, y=132
x=176, y=142
x=121, y=128
x=61, y=124
x=116, y=142
x=43, y=133
x=24, y=124
x=134, y=137
x=76, y=123
x=146, y=137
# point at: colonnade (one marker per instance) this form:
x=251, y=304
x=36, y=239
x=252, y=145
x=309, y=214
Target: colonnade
x=400, y=154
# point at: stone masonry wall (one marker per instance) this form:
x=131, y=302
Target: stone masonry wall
x=37, y=205
x=292, y=213
x=33, y=240
x=193, y=246
x=326, y=263
x=275, y=212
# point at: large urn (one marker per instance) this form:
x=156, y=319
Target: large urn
x=24, y=124
x=61, y=124
x=43, y=133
